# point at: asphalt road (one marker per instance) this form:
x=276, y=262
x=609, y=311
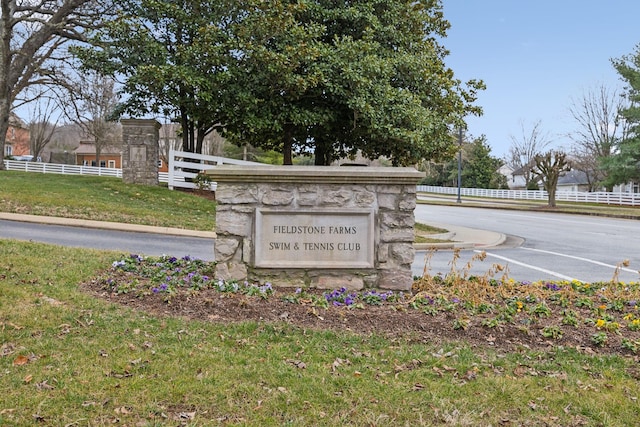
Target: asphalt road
x=130, y=242
x=541, y=245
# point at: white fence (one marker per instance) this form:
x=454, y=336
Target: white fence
x=181, y=160
x=627, y=199
x=15, y=165
x=176, y=178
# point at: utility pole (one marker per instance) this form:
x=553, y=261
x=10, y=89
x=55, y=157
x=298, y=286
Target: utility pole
x=459, y=162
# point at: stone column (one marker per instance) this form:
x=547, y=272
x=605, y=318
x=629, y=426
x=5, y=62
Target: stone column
x=140, y=151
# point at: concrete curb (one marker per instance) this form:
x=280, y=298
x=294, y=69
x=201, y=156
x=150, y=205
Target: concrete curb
x=106, y=225
x=464, y=238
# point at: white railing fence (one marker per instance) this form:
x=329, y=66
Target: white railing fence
x=180, y=162
x=601, y=197
x=15, y=165
x=176, y=178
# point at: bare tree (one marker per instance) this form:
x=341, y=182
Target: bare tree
x=42, y=124
x=33, y=35
x=549, y=167
x=525, y=148
x=90, y=103
x=599, y=129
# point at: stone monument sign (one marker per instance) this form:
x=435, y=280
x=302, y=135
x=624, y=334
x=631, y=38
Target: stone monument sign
x=316, y=226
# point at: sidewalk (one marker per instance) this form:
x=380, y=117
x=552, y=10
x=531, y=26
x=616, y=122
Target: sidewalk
x=51, y=220
x=463, y=238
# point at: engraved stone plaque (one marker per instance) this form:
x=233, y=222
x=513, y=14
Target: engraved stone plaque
x=307, y=238
x=138, y=153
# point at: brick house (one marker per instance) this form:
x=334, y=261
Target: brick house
x=110, y=157
x=17, y=142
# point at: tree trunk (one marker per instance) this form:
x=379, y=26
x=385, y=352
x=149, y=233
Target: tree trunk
x=200, y=140
x=322, y=154
x=552, y=197
x=98, y=152
x=4, y=125
x=287, y=146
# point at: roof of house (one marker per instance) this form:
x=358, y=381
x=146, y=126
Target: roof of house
x=573, y=177
x=90, y=148
x=16, y=121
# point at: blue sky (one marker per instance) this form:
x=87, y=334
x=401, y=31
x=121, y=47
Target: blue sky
x=535, y=56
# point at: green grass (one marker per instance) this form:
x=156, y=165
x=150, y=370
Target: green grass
x=103, y=199
x=69, y=359
x=423, y=233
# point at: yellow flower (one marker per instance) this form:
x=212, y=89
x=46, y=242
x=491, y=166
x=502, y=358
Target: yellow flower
x=628, y=316
x=600, y=323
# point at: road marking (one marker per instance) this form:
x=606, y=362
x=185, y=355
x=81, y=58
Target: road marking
x=592, y=261
x=533, y=267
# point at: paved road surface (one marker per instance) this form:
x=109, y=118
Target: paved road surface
x=126, y=241
x=541, y=245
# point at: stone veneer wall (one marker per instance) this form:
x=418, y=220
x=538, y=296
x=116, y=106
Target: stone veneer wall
x=140, y=152
x=389, y=193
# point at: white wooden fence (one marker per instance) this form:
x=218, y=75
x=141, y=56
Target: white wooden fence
x=15, y=165
x=181, y=160
x=627, y=199
x=176, y=178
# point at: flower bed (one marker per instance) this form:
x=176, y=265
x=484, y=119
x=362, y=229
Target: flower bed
x=606, y=315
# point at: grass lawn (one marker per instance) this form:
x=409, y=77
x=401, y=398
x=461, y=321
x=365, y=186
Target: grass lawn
x=68, y=358
x=103, y=199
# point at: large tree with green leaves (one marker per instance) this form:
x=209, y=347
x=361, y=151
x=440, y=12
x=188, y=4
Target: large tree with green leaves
x=624, y=165
x=480, y=169
x=325, y=77
x=374, y=82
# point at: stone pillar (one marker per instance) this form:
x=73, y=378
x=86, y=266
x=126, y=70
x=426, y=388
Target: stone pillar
x=140, y=151
x=323, y=227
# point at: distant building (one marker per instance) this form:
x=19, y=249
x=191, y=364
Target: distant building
x=110, y=157
x=17, y=142
x=574, y=180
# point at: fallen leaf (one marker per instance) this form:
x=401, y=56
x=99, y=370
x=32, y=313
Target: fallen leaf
x=52, y=301
x=28, y=379
x=20, y=360
x=7, y=348
x=339, y=362
x=297, y=363
x=418, y=387
x=44, y=386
